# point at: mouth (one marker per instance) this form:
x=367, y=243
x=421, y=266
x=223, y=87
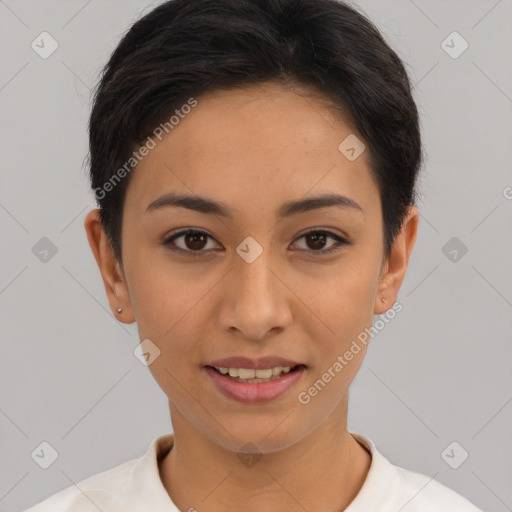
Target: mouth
x=253, y=376
x=251, y=385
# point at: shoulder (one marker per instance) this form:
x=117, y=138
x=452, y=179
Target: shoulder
x=391, y=487
x=421, y=493
x=103, y=491
x=134, y=482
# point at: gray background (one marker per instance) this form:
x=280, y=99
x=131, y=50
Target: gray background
x=439, y=372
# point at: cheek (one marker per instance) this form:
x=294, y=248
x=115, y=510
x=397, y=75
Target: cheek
x=358, y=297
x=165, y=296
x=344, y=306
x=344, y=297
x=170, y=313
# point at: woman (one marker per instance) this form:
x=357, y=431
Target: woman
x=255, y=166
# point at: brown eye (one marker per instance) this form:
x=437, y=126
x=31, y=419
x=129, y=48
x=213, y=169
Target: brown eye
x=193, y=242
x=316, y=241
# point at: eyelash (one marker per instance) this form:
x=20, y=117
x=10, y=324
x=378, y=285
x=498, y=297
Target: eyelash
x=335, y=248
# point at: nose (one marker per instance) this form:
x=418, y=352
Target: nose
x=256, y=301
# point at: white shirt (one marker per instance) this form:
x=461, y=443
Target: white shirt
x=135, y=486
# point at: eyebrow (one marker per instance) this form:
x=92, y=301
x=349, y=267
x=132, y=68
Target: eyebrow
x=209, y=206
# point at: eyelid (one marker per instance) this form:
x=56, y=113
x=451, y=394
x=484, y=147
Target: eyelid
x=327, y=231
x=341, y=241
x=169, y=239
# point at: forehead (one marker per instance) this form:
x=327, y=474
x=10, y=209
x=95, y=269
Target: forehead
x=259, y=143
x=264, y=116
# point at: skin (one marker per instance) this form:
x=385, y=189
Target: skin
x=254, y=149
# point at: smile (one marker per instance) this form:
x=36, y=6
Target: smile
x=252, y=375
x=249, y=385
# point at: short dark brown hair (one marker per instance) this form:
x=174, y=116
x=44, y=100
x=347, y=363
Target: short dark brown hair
x=184, y=48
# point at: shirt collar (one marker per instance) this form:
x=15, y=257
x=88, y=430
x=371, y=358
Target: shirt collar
x=144, y=483
x=380, y=483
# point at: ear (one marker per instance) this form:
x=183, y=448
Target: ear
x=110, y=269
x=395, y=266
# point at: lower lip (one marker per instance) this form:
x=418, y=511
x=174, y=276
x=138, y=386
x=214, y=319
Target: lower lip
x=254, y=393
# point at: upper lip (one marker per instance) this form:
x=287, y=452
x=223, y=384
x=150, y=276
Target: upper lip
x=256, y=364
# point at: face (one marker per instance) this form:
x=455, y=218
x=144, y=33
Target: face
x=254, y=281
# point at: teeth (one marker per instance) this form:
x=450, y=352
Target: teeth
x=251, y=374
x=262, y=374
x=244, y=373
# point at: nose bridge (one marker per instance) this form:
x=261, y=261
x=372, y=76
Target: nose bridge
x=254, y=277
x=258, y=301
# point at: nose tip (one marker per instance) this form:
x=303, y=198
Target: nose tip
x=257, y=303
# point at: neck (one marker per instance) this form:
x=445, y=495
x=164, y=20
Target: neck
x=322, y=472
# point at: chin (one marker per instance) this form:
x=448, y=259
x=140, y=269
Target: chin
x=267, y=434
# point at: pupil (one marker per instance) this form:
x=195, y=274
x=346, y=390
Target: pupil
x=316, y=237
x=194, y=237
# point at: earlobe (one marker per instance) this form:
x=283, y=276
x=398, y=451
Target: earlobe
x=396, y=264
x=113, y=279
